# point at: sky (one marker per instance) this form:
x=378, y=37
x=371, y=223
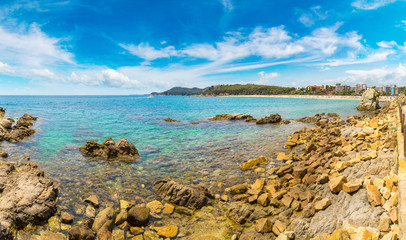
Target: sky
x=74, y=47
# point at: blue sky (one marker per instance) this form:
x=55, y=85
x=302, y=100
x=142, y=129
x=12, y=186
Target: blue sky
x=140, y=46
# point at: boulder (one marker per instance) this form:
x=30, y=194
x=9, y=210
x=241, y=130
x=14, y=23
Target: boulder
x=26, y=197
x=273, y=118
x=194, y=197
x=138, y=216
x=122, y=150
x=105, y=219
x=369, y=100
x=80, y=232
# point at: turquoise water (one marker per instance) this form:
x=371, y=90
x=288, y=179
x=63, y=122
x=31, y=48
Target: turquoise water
x=208, y=152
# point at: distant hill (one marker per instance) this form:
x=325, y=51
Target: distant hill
x=180, y=91
x=248, y=89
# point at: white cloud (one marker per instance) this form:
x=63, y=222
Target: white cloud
x=377, y=76
x=308, y=18
x=31, y=47
x=5, y=68
x=265, y=77
x=117, y=79
x=44, y=73
x=376, y=56
x=227, y=5
x=371, y=4
x=145, y=51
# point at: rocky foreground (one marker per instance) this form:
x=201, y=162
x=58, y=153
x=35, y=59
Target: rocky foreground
x=336, y=180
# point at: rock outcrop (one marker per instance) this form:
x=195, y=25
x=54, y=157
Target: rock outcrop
x=19, y=131
x=27, y=197
x=273, y=118
x=232, y=116
x=122, y=150
x=369, y=100
x=194, y=197
x=2, y=111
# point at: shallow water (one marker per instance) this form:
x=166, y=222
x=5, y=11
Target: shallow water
x=206, y=153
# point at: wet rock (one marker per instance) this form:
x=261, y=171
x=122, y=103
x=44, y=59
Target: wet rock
x=26, y=197
x=263, y=225
x=369, y=100
x=171, y=120
x=273, y=118
x=80, y=232
x=263, y=199
x=2, y=111
x=3, y=154
x=90, y=211
x=92, y=200
x=121, y=218
x=232, y=116
x=106, y=218
x=104, y=234
x=66, y=217
x=310, y=119
x=19, y=131
x=155, y=206
x=138, y=216
x=194, y=197
x=122, y=150
x=249, y=164
x=125, y=205
x=167, y=231
x=168, y=208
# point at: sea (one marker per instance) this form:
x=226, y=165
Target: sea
x=206, y=153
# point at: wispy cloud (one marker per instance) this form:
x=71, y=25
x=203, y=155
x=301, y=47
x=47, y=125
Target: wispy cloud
x=265, y=77
x=31, y=47
x=371, y=4
x=227, y=5
x=44, y=73
x=145, y=51
x=308, y=18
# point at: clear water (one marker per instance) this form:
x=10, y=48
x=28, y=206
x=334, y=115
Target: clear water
x=208, y=152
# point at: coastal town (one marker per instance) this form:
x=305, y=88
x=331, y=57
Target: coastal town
x=357, y=90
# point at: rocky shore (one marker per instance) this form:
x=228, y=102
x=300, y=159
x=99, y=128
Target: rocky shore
x=336, y=179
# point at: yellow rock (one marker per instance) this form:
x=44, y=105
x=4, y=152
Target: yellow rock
x=373, y=154
x=262, y=159
x=259, y=184
x=138, y=237
x=336, y=184
x=394, y=200
x=249, y=164
x=350, y=187
x=167, y=231
x=168, y=208
x=379, y=183
x=125, y=205
x=282, y=156
x=339, y=234
x=374, y=196
x=136, y=230
x=259, y=170
x=155, y=206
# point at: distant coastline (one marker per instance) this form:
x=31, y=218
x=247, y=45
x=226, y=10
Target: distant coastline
x=335, y=97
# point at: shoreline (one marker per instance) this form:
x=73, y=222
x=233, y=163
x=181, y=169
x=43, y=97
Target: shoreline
x=333, y=97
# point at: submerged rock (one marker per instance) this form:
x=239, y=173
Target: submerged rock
x=369, y=100
x=171, y=120
x=81, y=232
x=194, y=197
x=111, y=150
x=27, y=197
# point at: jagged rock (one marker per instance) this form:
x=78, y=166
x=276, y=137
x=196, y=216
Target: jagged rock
x=336, y=184
x=322, y=204
x=374, y=196
x=66, y=217
x=2, y=111
x=278, y=227
x=92, y=199
x=369, y=100
x=273, y=118
x=3, y=154
x=194, y=197
x=111, y=150
x=232, y=116
x=80, y=232
x=27, y=197
x=310, y=119
x=263, y=225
